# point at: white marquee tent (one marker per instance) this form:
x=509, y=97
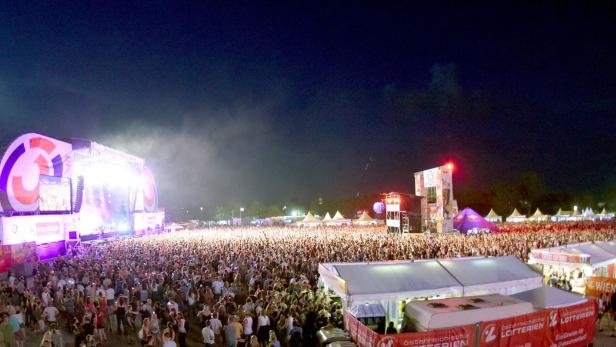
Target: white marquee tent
x=493, y=217
x=516, y=217
x=389, y=283
x=309, y=221
x=365, y=219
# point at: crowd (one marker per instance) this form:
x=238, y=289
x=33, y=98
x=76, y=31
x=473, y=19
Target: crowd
x=234, y=286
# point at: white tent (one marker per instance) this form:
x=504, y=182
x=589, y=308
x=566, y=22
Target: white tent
x=309, y=221
x=389, y=283
x=493, y=217
x=589, y=214
x=516, y=217
x=495, y=275
x=327, y=217
x=539, y=217
x=604, y=215
x=339, y=220
x=365, y=219
x=549, y=297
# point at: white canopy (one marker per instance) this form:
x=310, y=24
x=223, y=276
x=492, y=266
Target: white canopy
x=327, y=217
x=494, y=275
x=516, y=216
x=549, y=297
x=365, y=217
x=338, y=216
x=597, y=254
x=310, y=218
x=388, y=283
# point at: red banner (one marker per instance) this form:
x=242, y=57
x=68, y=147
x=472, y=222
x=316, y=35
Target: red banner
x=463, y=336
x=520, y=331
x=561, y=257
x=573, y=325
x=361, y=334
x=595, y=286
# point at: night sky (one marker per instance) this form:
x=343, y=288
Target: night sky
x=247, y=101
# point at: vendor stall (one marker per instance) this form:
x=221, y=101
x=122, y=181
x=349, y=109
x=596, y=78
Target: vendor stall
x=573, y=263
x=392, y=284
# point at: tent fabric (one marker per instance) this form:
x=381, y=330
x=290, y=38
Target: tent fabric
x=365, y=217
x=515, y=213
x=389, y=283
x=502, y=275
x=468, y=219
x=327, y=217
x=402, y=277
x=537, y=213
x=549, y=297
x=310, y=218
x=600, y=253
x=492, y=214
x=338, y=216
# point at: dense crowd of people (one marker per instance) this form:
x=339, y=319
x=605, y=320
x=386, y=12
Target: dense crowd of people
x=234, y=286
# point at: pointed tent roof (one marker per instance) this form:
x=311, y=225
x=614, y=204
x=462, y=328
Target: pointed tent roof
x=603, y=212
x=589, y=212
x=327, y=217
x=468, y=219
x=492, y=213
x=338, y=216
x=516, y=213
x=365, y=217
x=310, y=218
x=538, y=213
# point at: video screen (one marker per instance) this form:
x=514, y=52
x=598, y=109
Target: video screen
x=54, y=194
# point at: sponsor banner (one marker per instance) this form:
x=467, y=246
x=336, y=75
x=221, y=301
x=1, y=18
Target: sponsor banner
x=463, y=336
x=520, y=331
x=573, y=325
x=597, y=285
x=361, y=334
x=561, y=257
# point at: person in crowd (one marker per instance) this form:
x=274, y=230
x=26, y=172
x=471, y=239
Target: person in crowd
x=209, y=338
x=391, y=329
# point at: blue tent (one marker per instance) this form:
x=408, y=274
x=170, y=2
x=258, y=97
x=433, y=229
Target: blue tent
x=469, y=220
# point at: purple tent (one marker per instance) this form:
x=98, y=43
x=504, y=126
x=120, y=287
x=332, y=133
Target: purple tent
x=468, y=219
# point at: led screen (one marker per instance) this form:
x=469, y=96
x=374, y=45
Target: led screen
x=54, y=194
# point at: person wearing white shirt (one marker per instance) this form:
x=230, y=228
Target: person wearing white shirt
x=110, y=294
x=247, y=323
x=51, y=313
x=208, y=335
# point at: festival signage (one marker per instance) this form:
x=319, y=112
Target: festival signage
x=597, y=285
x=561, y=257
x=519, y=331
x=463, y=336
x=573, y=325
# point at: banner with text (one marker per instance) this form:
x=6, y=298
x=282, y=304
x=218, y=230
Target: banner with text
x=573, y=325
x=597, y=285
x=520, y=331
x=462, y=336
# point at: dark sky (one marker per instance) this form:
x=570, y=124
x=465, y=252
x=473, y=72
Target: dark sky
x=253, y=100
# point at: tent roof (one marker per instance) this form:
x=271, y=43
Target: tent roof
x=468, y=219
x=492, y=213
x=338, y=216
x=365, y=217
x=477, y=271
x=372, y=281
x=598, y=253
x=515, y=213
x=399, y=277
x=603, y=212
x=549, y=297
x=310, y=218
x=327, y=217
x=538, y=213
